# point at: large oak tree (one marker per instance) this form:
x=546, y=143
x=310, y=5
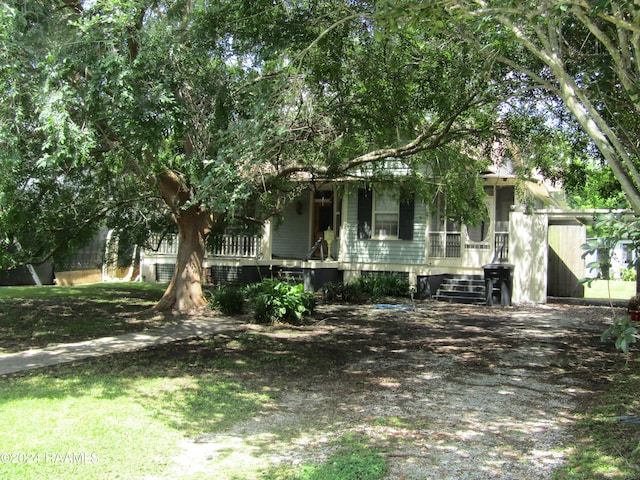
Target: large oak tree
x=200, y=113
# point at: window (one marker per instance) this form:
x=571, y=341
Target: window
x=480, y=232
x=386, y=215
x=383, y=215
x=444, y=235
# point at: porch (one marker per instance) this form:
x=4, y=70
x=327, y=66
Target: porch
x=238, y=259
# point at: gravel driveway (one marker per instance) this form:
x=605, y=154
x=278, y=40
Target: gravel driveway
x=448, y=391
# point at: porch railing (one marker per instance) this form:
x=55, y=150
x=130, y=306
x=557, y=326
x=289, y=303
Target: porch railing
x=501, y=245
x=163, y=245
x=449, y=245
x=446, y=245
x=243, y=246
x=235, y=246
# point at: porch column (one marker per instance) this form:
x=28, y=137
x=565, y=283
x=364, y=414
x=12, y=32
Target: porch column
x=266, y=241
x=529, y=253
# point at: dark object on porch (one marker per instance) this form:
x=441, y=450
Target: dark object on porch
x=499, y=283
x=316, y=246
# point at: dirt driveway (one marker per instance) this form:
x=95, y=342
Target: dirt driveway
x=448, y=391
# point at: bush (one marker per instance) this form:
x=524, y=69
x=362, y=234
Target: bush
x=343, y=292
x=624, y=332
x=367, y=288
x=629, y=274
x=385, y=285
x=634, y=303
x=229, y=299
x=276, y=301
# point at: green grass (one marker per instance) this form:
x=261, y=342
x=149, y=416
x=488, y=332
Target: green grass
x=604, y=447
x=355, y=459
x=128, y=415
x=74, y=427
x=619, y=290
x=121, y=417
x=34, y=317
x=97, y=292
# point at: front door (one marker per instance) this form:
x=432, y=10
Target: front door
x=322, y=220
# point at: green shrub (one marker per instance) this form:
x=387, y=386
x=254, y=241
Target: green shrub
x=229, y=299
x=628, y=274
x=343, y=292
x=385, y=285
x=367, y=288
x=624, y=332
x=276, y=301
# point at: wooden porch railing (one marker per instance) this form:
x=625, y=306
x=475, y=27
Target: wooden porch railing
x=235, y=246
x=501, y=245
x=449, y=245
x=167, y=245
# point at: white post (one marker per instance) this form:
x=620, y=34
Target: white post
x=267, y=241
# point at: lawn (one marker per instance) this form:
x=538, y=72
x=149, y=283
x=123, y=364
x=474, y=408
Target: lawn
x=117, y=418
x=328, y=401
x=614, y=289
x=128, y=415
x=35, y=317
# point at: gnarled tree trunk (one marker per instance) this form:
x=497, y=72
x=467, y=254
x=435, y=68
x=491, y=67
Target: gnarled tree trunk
x=184, y=292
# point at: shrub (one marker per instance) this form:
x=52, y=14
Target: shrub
x=276, y=301
x=634, y=303
x=624, y=332
x=368, y=287
x=229, y=299
x=628, y=274
x=343, y=292
x=385, y=285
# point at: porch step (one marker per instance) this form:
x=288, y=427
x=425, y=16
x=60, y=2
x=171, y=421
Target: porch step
x=462, y=289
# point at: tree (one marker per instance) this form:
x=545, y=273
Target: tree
x=201, y=114
x=583, y=52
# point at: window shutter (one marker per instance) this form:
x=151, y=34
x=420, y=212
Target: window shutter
x=405, y=227
x=365, y=213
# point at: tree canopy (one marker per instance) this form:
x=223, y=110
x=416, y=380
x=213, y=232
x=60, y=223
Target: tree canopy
x=583, y=53
x=196, y=114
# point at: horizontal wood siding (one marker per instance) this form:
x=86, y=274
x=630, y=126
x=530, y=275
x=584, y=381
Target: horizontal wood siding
x=291, y=237
x=384, y=251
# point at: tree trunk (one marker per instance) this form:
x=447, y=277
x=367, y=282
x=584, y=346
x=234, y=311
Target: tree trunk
x=184, y=292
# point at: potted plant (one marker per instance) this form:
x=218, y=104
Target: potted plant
x=633, y=307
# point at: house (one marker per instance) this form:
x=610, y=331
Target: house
x=338, y=232
x=613, y=263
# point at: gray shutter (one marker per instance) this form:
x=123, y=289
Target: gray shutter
x=365, y=213
x=405, y=226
